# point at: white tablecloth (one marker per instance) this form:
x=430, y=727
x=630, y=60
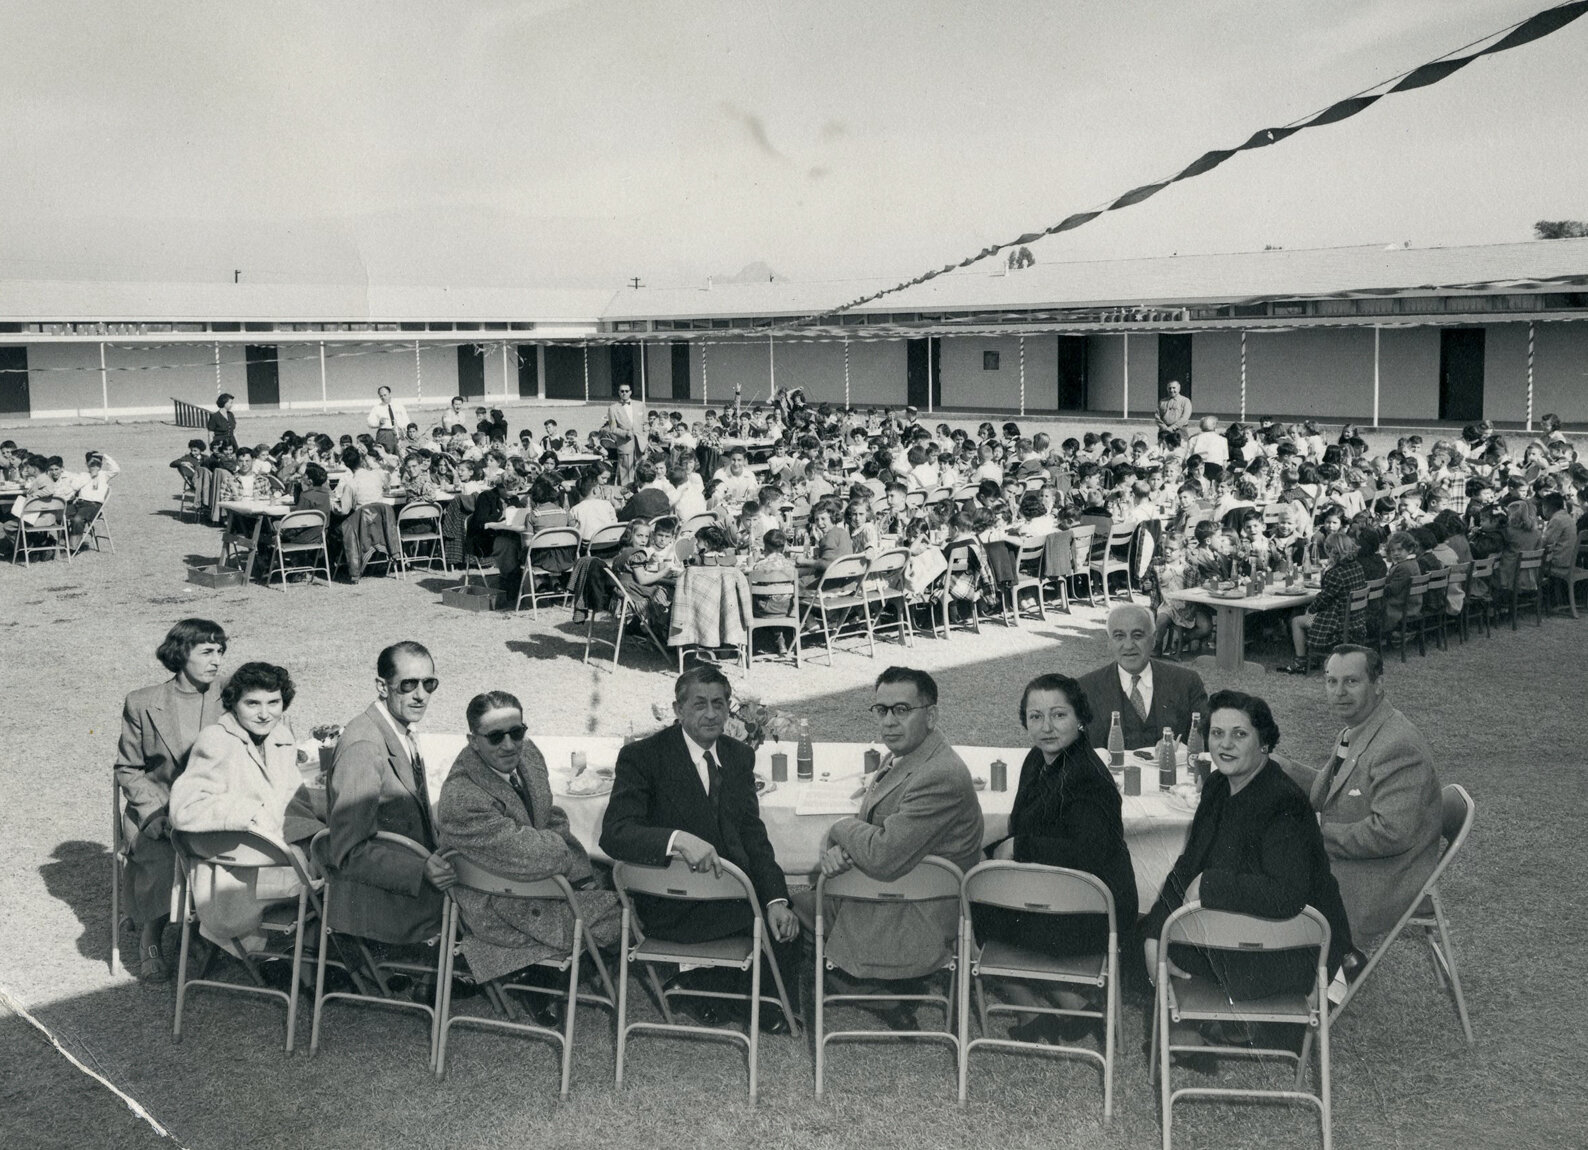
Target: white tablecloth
x=1155, y=822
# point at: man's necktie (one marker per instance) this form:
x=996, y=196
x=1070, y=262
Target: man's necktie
x=1334, y=764
x=714, y=778
x=1136, y=699
x=423, y=788
x=391, y=414
x=517, y=782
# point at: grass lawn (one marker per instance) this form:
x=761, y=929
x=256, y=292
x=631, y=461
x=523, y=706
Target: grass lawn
x=1504, y=716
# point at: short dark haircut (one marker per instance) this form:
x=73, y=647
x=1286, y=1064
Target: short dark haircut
x=351, y=459
x=386, y=661
x=482, y=705
x=1375, y=659
x=1255, y=710
x=1066, y=686
x=315, y=474
x=924, y=684
x=224, y=398
x=181, y=639
x=774, y=540
x=258, y=677
x=701, y=674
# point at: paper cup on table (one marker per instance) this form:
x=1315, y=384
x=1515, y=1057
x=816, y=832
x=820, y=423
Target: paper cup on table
x=578, y=762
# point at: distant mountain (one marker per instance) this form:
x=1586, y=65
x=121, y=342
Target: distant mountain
x=756, y=273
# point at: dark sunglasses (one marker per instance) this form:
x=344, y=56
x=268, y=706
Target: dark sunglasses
x=515, y=733
x=409, y=686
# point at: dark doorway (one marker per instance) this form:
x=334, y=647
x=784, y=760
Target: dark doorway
x=471, y=370
x=915, y=374
x=1174, y=362
x=14, y=381
x=680, y=370
x=528, y=369
x=1461, y=374
x=264, y=375
x=1072, y=373
x=626, y=368
x=564, y=371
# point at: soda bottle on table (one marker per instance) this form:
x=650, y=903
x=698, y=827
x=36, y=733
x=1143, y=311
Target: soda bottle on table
x=1166, y=759
x=1116, y=744
x=804, y=754
x=1194, y=749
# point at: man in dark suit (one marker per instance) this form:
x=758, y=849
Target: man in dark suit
x=1148, y=694
x=688, y=792
x=376, y=783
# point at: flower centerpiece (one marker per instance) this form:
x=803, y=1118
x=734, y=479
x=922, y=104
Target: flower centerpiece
x=326, y=734
x=752, y=721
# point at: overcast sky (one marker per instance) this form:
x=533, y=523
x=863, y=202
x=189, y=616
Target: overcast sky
x=580, y=143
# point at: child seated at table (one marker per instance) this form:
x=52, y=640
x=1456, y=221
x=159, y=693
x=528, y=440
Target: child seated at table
x=926, y=563
x=649, y=567
x=773, y=565
x=1176, y=572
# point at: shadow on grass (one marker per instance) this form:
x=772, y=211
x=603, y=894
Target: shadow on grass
x=77, y=874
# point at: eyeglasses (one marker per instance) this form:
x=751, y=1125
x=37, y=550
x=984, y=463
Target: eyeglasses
x=897, y=710
x=409, y=686
x=515, y=733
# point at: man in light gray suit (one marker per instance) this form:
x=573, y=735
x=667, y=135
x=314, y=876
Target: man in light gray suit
x=1377, y=798
x=920, y=802
x=626, y=423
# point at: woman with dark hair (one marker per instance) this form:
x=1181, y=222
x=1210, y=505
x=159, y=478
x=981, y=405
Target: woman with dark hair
x=241, y=776
x=1066, y=814
x=1254, y=848
x=222, y=424
x=159, y=726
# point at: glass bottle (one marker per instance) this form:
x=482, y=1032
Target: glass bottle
x=1116, y=743
x=804, y=754
x=1166, y=759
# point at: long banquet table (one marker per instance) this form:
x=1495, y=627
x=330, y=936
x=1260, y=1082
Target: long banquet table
x=1156, y=822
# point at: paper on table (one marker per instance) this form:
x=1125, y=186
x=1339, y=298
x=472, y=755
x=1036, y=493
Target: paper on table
x=831, y=798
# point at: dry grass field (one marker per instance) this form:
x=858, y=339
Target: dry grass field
x=1504, y=715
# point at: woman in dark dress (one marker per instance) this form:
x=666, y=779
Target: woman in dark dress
x=1066, y=814
x=1254, y=848
x=223, y=424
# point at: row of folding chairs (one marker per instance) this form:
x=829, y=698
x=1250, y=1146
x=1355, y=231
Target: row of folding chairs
x=969, y=967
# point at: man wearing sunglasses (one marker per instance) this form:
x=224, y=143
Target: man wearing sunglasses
x=377, y=782
x=920, y=802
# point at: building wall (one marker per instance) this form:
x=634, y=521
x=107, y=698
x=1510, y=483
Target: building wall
x=1105, y=385
x=1560, y=371
x=876, y=371
x=1505, y=372
x=966, y=383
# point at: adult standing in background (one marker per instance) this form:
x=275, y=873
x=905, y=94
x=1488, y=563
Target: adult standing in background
x=159, y=726
x=223, y=424
x=387, y=418
x=1174, y=409
x=625, y=423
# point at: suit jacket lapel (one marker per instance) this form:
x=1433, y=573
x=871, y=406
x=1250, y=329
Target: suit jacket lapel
x=890, y=782
x=396, y=748
x=684, y=766
x=494, y=785
x=162, y=714
x=1360, y=744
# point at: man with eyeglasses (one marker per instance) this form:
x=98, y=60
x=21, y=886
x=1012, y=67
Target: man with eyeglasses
x=920, y=802
x=377, y=782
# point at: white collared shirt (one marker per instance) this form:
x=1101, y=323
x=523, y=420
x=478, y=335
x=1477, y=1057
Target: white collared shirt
x=1145, y=685
x=697, y=756
x=403, y=733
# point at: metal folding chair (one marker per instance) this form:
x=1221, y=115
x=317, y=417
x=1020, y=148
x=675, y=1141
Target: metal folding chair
x=774, y=587
x=695, y=522
x=1033, y=889
x=840, y=589
x=1204, y=1000
x=623, y=607
x=1029, y=575
x=737, y=952
x=1527, y=562
x=1112, y=557
x=369, y=969
x=883, y=586
x=472, y=876
x=96, y=531
x=419, y=526
x=932, y=880
x=48, y=521
x=565, y=539
x=243, y=850
x=317, y=549
x=1427, y=912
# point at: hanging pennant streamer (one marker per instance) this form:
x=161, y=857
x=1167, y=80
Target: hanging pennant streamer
x=1533, y=28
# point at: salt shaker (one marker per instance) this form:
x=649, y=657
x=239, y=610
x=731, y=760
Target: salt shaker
x=1000, y=775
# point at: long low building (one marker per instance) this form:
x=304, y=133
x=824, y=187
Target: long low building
x=1376, y=335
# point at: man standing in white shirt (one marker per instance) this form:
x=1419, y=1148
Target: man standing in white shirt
x=387, y=418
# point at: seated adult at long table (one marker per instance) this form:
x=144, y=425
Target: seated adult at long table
x=1067, y=813
x=1253, y=848
x=242, y=775
x=920, y=802
x=380, y=890
x=688, y=792
x=496, y=810
x=1148, y=693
